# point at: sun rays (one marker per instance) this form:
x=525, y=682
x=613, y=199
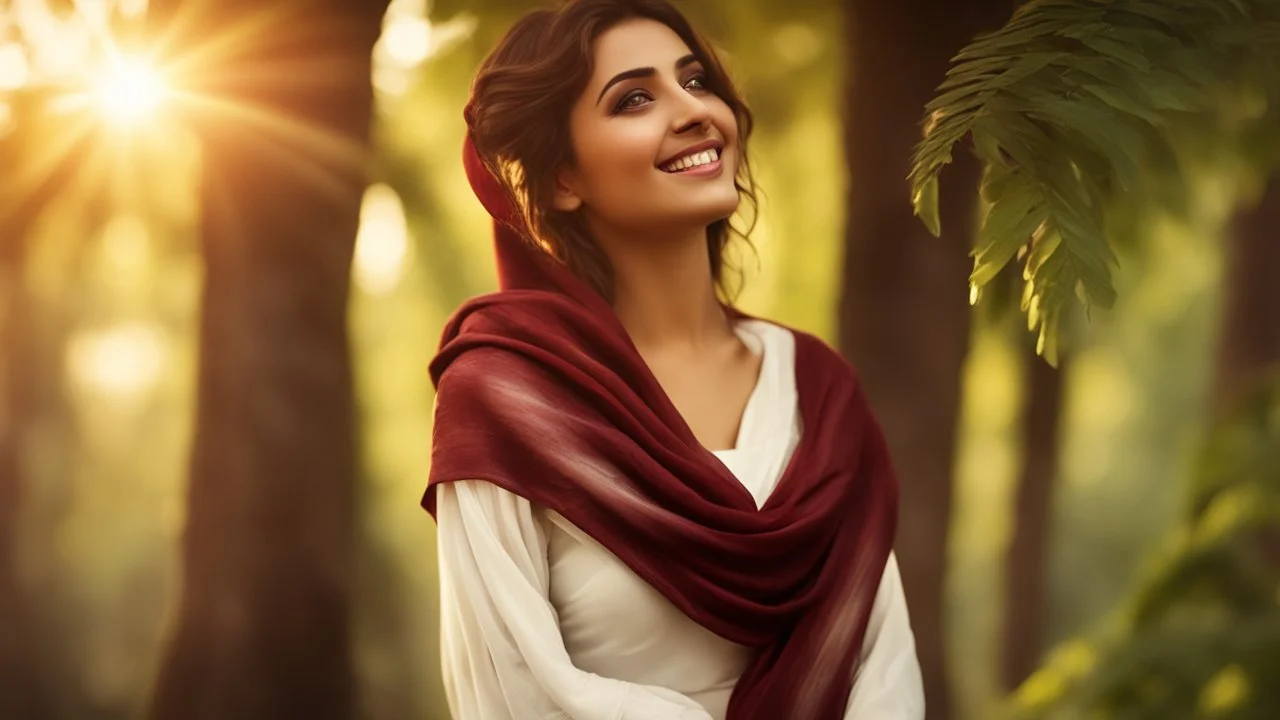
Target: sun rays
x=102, y=85
x=130, y=91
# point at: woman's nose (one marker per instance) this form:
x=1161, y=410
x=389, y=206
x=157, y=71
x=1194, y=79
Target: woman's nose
x=692, y=114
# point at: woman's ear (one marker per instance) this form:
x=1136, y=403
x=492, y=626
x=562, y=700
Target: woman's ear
x=566, y=198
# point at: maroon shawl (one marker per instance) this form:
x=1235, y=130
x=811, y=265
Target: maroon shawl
x=541, y=392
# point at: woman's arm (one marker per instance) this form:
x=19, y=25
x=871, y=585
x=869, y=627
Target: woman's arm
x=887, y=686
x=503, y=655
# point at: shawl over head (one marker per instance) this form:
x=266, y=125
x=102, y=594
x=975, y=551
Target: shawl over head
x=541, y=392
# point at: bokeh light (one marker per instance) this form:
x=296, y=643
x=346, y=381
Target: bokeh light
x=121, y=362
x=382, y=244
x=15, y=70
x=407, y=39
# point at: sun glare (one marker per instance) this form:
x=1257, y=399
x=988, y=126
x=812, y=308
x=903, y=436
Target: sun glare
x=121, y=362
x=131, y=91
x=14, y=68
x=383, y=247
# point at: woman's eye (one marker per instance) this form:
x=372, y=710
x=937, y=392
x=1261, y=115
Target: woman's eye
x=631, y=101
x=697, y=82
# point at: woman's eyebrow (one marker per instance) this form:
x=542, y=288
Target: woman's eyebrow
x=641, y=72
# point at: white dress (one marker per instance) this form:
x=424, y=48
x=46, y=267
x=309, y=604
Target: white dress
x=539, y=621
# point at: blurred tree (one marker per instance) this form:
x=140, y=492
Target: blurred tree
x=26, y=187
x=1027, y=559
x=1200, y=636
x=904, y=320
x=1249, y=344
x=263, y=629
x=1025, y=605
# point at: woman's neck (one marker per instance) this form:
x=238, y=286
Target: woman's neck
x=665, y=297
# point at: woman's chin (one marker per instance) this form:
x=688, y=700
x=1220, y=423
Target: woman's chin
x=724, y=209
x=709, y=208
x=690, y=212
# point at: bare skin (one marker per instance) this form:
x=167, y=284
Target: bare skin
x=709, y=388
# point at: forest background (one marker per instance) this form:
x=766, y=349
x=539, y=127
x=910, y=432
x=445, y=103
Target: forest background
x=230, y=233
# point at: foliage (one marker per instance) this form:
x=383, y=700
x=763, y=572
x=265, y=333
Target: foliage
x=1073, y=104
x=1201, y=637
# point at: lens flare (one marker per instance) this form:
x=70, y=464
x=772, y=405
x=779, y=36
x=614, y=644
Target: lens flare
x=131, y=91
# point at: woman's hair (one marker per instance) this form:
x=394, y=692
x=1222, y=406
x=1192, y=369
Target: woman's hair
x=519, y=120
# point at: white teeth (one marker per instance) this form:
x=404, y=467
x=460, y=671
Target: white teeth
x=705, y=157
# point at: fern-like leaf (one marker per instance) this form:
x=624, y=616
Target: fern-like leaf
x=1066, y=105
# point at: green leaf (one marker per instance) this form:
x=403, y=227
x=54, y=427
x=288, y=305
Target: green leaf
x=1117, y=50
x=1080, y=101
x=996, y=181
x=1008, y=225
x=1127, y=103
x=1043, y=248
x=1103, y=133
x=925, y=203
x=960, y=99
x=1008, y=131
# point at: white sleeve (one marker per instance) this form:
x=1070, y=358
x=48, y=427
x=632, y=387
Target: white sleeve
x=888, y=686
x=503, y=655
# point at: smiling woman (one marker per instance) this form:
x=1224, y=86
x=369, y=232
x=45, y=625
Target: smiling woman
x=650, y=505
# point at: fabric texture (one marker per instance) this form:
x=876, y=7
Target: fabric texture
x=541, y=392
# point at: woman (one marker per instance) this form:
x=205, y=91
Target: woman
x=649, y=504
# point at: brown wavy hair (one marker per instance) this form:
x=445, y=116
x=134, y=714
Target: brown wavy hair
x=519, y=122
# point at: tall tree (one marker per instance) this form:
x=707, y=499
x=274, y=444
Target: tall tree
x=904, y=319
x=26, y=188
x=264, y=615
x=1025, y=575
x=1249, y=344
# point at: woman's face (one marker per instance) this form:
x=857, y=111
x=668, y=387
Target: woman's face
x=654, y=149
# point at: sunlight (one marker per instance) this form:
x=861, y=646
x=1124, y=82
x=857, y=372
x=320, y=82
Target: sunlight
x=407, y=40
x=131, y=8
x=59, y=46
x=15, y=71
x=131, y=91
x=1226, y=692
x=122, y=362
x=382, y=243
x=125, y=252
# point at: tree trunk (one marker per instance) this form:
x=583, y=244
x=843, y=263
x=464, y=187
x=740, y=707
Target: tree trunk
x=1249, y=343
x=265, y=610
x=904, y=315
x=21, y=693
x=25, y=690
x=1025, y=591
